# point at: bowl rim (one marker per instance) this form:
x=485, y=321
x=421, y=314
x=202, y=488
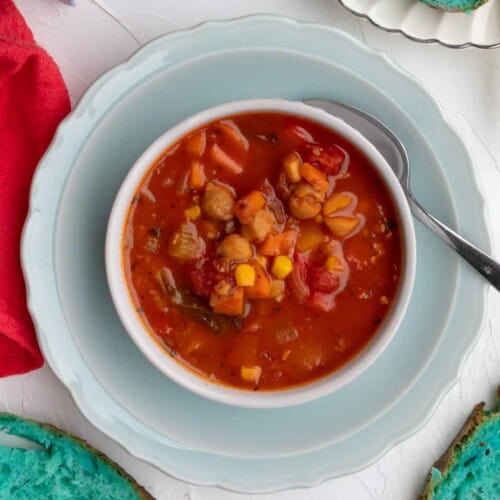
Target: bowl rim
x=174, y=369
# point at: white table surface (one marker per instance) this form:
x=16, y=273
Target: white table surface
x=87, y=40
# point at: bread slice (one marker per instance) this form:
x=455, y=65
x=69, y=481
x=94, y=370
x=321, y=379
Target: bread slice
x=456, y=5
x=470, y=467
x=65, y=467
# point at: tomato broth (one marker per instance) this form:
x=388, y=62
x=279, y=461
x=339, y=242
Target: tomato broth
x=262, y=251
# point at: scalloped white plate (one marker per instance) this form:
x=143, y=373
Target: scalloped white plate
x=82, y=338
x=480, y=28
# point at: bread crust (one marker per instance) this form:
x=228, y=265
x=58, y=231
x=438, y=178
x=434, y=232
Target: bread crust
x=473, y=422
x=142, y=492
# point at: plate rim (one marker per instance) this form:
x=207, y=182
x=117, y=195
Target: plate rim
x=76, y=115
x=400, y=31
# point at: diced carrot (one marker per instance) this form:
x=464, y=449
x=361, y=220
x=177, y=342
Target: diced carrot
x=248, y=206
x=262, y=287
x=315, y=177
x=197, y=177
x=227, y=162
x=231, y=304
x=196, y=144
x=279, y=244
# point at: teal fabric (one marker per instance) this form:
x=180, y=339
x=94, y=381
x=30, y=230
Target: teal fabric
x=63, y=469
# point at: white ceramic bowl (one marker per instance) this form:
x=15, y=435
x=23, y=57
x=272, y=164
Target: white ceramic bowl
x=174, y=369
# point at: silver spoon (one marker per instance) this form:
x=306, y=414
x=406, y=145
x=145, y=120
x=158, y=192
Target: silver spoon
x=394, y=152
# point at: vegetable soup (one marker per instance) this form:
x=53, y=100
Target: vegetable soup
x=262, y=251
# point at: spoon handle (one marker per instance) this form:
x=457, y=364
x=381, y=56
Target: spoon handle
x=480, y=261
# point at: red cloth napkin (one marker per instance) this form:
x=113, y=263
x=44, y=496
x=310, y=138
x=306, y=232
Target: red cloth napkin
x=33, y=100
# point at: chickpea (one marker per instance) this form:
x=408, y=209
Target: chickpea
x=235, y=247
x=218, y=202
x=305, y=202
x=302, y=190
x=304, y=208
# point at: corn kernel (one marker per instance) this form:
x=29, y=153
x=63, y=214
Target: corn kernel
x=384, y=300
x=192, y=213
x=282, y=266
x=244, y=275
x=333, y=264
x=251, y=373
x=292, y=164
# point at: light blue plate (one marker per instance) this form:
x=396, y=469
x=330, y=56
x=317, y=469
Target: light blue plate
x=83, y=340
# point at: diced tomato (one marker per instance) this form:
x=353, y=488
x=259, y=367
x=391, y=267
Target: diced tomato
x=202, y=276
x=328, y=158
x=297, y=279
x=323, y=280
x=322, y=301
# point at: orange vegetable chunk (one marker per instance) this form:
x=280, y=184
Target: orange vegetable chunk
x=249, y=205
x=315, y=177
x=279, y=244
x=310, y=236
x=196, y=144
x=197, y=177
x=230, y=304
x=262, y=287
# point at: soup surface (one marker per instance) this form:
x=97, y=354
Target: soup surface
x=262, y=251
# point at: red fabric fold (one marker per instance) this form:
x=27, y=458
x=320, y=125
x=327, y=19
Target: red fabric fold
x=33, y=100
